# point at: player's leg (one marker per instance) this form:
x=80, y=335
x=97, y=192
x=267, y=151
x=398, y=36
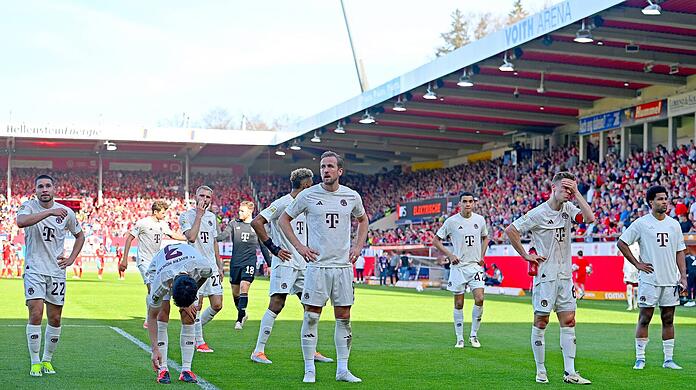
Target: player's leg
x=201, y=345
x=476, y=315
x=565, y=306
x=215, y=300
x=163, y=340
x=100, y=270
x=629, y=295
x=647, y=300
x=458, y=317
x=342, y=298
x=243, y=300
x=543, y=300
x=187, y=342
x=142, y=268
x=33, y=332
x=55, y=298
x=668, y=301
x=314, y=297
x=275, y=306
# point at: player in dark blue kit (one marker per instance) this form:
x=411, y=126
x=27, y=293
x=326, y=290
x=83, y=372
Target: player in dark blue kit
x=243, y=262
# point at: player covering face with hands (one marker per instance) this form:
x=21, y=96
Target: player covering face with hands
x=550, y=227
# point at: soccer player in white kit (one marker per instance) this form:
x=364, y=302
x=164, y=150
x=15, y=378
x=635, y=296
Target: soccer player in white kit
x=288, y=266
x=200, y=228
x=46, y=224
x=630, y=278
x=468, y=233
x=662, y=271
x=329, y=207
x=149, y=231
x=176, y=272
x=553, y=289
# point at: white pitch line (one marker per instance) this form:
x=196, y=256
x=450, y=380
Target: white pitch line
x=171, y=363
x=62, y=326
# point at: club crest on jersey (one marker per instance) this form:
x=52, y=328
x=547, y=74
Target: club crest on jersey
x=475, y=226
x=565, y=216
x=59, y=220
x=343, y=202
x=210, y=223
x=544, y=303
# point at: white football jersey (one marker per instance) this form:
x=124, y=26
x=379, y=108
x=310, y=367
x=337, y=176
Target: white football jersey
x=168, y=263
x=44, y=240
x=466, y=235
x=299, y=225
x=205, y=242
x=328, y=222
x=551, y=238
x=149, y=232
x=659, y=243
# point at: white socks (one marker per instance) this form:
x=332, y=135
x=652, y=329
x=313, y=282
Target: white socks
x=640, y=348
x=187, y=348
x=163, y=342
x=310, y=326
x=207, y=315
x=265, y=330
x=476, y=314
x=198, y=330
x=34, y=342
x=538, y=348
x=459, y=323
x=50, y=342
x=343, y=339
x=629, y=295
x=568, y=348
x=668, y=348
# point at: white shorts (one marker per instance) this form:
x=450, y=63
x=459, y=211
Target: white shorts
x=555, y=295
x=49, y=288
x=286, y=280
x=212, y=286
x=142, y=267
x=324, y=283
x=461, y=277
x=651, y=296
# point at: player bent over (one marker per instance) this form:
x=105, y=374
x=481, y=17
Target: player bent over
x=46, y=223
x=176, y=272
x=549, y=224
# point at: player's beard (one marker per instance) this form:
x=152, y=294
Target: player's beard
x=329, y=181
x=46, y=198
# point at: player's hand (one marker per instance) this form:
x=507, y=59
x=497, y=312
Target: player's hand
x=454, y=260
x=284, y=255
x=571, y=186
x=308, y=253
x=189, y=312
x=156, y=359
x=535, y=259
x=123, y=265
x=60, y=212
x=201, y=207
x=645, y=267
x=222, y=275
x=682, y=283
x=482, y=263
x=64, y=262
x=354, y=254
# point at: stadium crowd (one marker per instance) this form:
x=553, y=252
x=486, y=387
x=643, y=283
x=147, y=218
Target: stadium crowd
x=614, y=188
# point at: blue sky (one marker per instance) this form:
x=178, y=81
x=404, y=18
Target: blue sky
x=81, y=63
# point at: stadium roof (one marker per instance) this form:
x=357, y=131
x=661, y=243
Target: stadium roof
x=629, y=52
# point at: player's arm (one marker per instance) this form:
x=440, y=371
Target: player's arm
x=437, y=243
x=123, y=264
x=218, y=260
x=516, y=241
x=363, y=225
x=485, y=241
x=258, y=224
x=77, y=247
x=227, y=233
x=306, y=252
x=192, y=233
x=587, y=214
x=626, y=251
x=174, y=235
x=25, y=219
x=156, y=357
x=681, y=264
x=265, y=253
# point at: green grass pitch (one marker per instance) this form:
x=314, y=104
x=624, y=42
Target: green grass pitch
x=401, y=339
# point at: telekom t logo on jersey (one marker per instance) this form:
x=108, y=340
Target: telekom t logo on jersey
x=300, y=227
x=332, y=220
x=49, y=233
x=662, y=239
x=204, y=237
x=469, y=240
x=245, y=236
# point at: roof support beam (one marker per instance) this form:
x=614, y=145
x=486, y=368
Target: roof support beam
x=665, y=40
x=555, y=86
x=488, y=96
x=634, y=15
x=473, y=126
x=493, y=113
x=452, y=137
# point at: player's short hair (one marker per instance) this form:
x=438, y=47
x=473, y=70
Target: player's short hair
x=338, y=157
x=248, y=204
x=184, y=291
x=653, y=191
x=299, y=175
x=203, y=188
x=466, y=193
x=41, y=177
x=159, y=205
x=580, y=253
x=563, y=175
